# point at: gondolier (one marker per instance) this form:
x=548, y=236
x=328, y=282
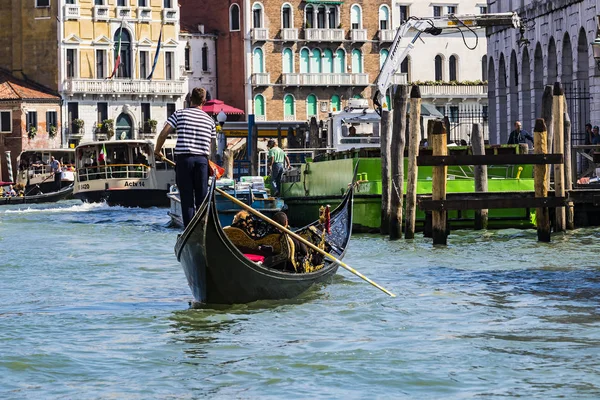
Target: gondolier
x=196, y=132
x=56, y=170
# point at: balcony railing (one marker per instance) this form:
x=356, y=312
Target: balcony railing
x=100, y=13
x=125, y=87
x=260, y=117
x=170, y=15
x=261, y=79
x=358, y=35
x=289, y=117
x=260, y=34
x=324, y=35
x=319, y=79
x=289, y=34
x=71, y=11
x=399, y=79
x=144, y=14
x=451, y=91
x=124, y=12
x=386, y=35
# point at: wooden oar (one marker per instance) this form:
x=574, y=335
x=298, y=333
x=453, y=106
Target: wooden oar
x=37, y=185
x=296, y=236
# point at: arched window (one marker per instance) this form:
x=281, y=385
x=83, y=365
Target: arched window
x=327, y=61
x=258, y=65
x=405, y=68
x=288, y=61
x=321, y=14
x=339, y=65
x=453, y=67
x=309, y=14
x=287, y=20
x=357, y=67
x=311, y=105
x=234, y=17
x=304, y=61
x=333, y=18
x=384, y=18
x=124, y=70
x=288, y=106
x=336, y=103
x=383, y=55
x=257, y=16
x=355, y=17
x=259, y=105
x=439, y=68
x=315, y=61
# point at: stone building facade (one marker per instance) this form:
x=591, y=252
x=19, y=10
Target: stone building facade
x=199, y=62
x=559, y=34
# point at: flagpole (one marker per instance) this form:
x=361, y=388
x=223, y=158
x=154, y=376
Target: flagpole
x=156, y=55
x=118, y=59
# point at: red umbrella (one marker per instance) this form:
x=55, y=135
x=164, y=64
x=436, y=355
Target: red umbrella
x=215, y=106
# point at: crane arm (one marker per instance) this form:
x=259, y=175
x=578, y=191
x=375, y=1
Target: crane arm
x=403, y=42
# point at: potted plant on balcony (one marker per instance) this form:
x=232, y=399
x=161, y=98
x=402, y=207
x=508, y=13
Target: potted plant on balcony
x=78, y=125
x=52, y=130
x=31, y=132
x=108, y=127
x=150, y=126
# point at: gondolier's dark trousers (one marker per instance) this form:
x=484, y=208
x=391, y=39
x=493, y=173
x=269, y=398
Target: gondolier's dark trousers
x=57, y=178
x=191, y=175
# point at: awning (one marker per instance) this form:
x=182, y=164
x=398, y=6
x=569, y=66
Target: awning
x=336, y=2
x=428, y=110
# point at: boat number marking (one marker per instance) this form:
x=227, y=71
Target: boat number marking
x=130, y=184
x=83, y=186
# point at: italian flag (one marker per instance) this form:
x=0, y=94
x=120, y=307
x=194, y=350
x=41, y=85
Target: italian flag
x=118, y=51
x=102, y=156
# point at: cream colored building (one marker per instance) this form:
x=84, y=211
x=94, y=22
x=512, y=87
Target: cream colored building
x=200, y=59
x=89, y=33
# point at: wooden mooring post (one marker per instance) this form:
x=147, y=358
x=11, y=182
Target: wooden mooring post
x=559, y=147
x=414, y=132
x=480, y=172
x=397, y=160
x=385, y=171
x=547, y=105
x=569, y=167
x=439, y=175
x=540, y=146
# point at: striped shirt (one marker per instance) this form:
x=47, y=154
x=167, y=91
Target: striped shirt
x=195, y=129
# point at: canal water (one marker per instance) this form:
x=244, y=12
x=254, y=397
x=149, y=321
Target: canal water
x=93, y=304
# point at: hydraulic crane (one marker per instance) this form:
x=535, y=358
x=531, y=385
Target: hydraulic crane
x=411, y=30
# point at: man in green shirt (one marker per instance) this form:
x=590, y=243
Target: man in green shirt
x=277, y=161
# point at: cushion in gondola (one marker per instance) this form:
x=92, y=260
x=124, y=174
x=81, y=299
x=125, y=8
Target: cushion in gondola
x=255, y=257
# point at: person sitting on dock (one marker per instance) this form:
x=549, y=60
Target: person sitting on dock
x=596, y=137
x=519, y=135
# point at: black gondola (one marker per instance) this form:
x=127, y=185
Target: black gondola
x=50, y=197
x=219, y=273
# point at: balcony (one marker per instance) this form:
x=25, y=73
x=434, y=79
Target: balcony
x=125, y=87
x=358, y=35
x=124, y=12
x=454, y=91
x=320, y=79
x=260, y=34
x=71, y=11
x=100, y=13
x=289, y=34
x=260, y=117
x=386, y=35
x=289, y=117
x=261, y=79
x=324, y=35
x=144, y=14
x=399, y=79
x=170, y=16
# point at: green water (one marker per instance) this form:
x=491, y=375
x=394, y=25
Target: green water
x=94, y=305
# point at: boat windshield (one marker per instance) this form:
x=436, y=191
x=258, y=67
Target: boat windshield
x=359, y=132
x=113, y=160
x=40, y=159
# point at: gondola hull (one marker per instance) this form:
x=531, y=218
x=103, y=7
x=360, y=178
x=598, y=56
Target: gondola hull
x=62, y=194
x=218, y=273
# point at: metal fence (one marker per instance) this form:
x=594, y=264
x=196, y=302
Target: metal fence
x=578, y=99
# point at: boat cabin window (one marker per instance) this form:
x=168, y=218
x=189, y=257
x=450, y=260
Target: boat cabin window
x=360, y=133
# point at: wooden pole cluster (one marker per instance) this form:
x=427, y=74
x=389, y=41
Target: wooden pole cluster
x=569, y=167
x=547, y=103
x=559, y=147
x=397, y=160
x=540, y=146
x=385, y=171
x=440, y=148
x=480, y=172
x=414, y=132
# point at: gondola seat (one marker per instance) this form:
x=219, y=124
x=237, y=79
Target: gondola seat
x=280, y=248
